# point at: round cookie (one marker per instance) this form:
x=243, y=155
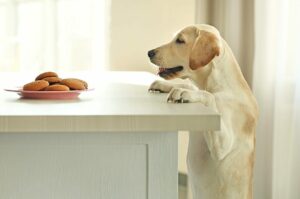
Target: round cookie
x=73, y=84
x=84, y=83
x=57, y=87
x=36, y=85
x=46, y=74
x=52, y=80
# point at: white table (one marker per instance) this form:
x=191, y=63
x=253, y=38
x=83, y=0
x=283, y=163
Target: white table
x=117, y=142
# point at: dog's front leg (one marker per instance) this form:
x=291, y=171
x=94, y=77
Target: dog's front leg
x=219, y=142
x=160, y=86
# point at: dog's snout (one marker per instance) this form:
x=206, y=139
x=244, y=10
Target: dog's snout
x=151, y=53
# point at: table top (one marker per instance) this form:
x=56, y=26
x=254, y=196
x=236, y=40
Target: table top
x=120, y=102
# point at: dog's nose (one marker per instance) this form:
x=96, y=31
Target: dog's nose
x=151, y=53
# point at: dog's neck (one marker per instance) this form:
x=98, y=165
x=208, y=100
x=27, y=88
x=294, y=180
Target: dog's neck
x=222, y=73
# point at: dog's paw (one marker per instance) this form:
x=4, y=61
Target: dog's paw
x=180, y=95
x=159, y=86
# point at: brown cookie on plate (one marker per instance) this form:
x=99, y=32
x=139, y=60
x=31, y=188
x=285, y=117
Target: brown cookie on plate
x=57, y=87
x=73, y=84
x=52, y=80
x=84, y=83
x=36, y=85
x=46, y=74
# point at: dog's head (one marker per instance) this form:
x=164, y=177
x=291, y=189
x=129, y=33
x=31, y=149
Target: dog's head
x=192, y=48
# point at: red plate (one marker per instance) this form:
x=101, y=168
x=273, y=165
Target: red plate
x=62, y=95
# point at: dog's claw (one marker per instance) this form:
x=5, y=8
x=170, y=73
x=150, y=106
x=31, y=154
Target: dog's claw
x=154, y=91
x=179, y=101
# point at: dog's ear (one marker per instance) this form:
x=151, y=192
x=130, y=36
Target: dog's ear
x=205, y=48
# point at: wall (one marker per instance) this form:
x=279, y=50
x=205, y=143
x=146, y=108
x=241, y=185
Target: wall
x=137, y=26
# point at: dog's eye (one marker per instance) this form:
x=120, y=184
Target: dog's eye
x=180, y=41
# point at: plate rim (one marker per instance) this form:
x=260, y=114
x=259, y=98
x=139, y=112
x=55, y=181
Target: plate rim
x=48, y=92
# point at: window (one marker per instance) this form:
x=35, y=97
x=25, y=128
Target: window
x=38, y=35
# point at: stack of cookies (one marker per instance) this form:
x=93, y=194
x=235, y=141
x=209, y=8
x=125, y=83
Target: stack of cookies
x=49, y=81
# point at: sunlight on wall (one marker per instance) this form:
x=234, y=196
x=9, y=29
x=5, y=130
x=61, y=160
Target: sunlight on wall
x=56, y=35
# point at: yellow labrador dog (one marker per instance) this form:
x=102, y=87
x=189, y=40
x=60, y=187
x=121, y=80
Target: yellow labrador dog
x=220, y=162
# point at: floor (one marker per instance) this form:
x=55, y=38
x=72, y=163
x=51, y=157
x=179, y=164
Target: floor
x=182, y=192
x=182, y=186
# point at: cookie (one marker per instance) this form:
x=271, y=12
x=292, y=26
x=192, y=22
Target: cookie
x=84, y=83
x=57, y=87
x=46, y=74
x=73, y=84
x=36, y=85
x=52, y=80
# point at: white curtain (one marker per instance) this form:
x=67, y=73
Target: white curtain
x=38, y=35
x=276, y=85
x=264, y=36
